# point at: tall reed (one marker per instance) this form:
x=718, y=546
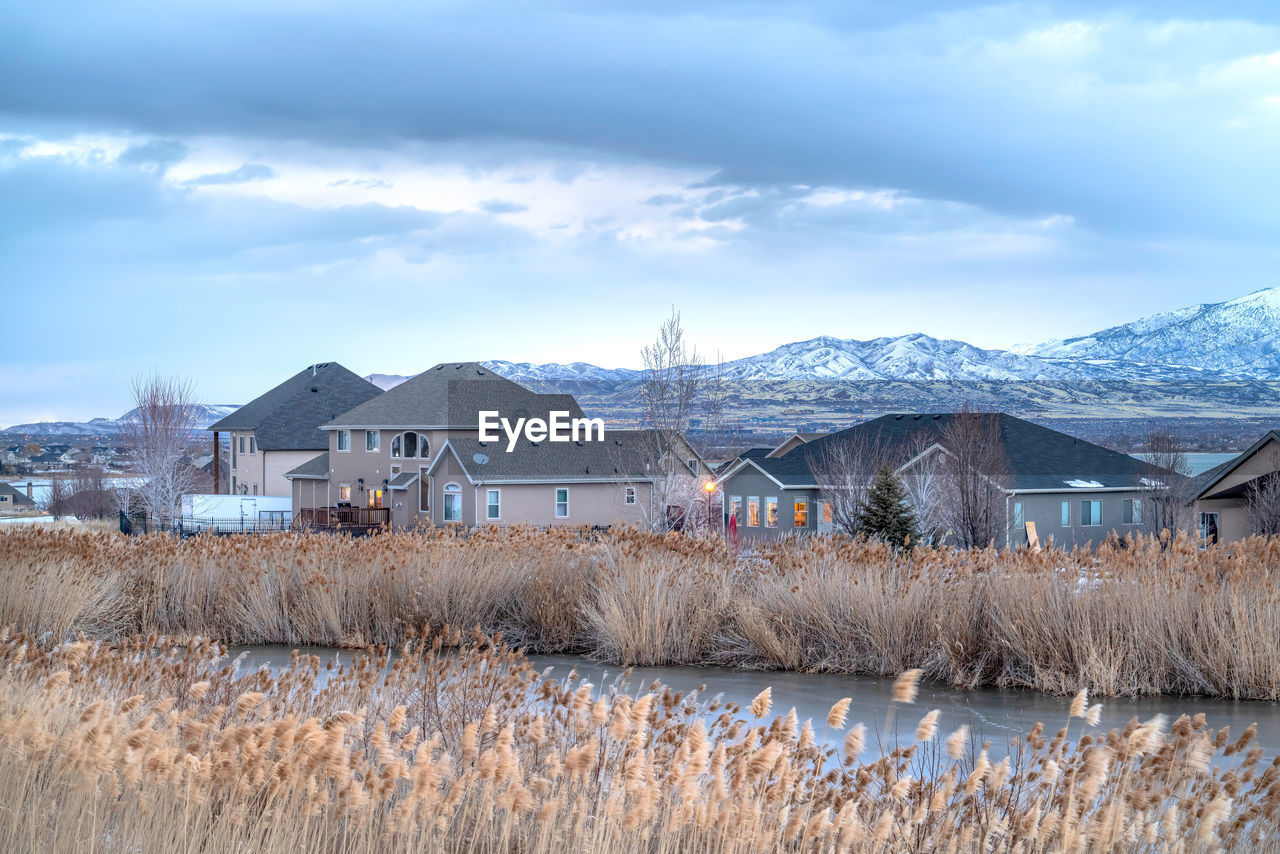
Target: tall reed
x=1127, y=618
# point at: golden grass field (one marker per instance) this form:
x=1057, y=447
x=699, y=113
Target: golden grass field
x=1127, y=618
x=123, y=728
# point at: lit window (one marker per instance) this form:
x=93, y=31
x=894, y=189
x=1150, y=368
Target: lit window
x=452, y=503
x=735, y=507
x=372, y=440
x=1133, y=511
x=1066, y=514
x=344, y=440
x=753, y=511
x=493, y=504
x=802, y=513
x=771, y=512
x=375, y=498
x=826, y=513
x=344, y=492
x=630, y=495
x=1090, y=513
x=562, y=503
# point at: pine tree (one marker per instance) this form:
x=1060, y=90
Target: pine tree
x=885, y=514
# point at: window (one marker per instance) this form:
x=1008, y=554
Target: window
x=344, y=440
x=753, y=511
x=344, y=492
x=826, y=513
x=1017, y=514
x=1209, y=527
x=253, y=444
x=1133, y=511
x=233, y=484
x=1066, y=514
x=735, y=507
x=255, y=489
x=452, y=503
x=493, y=504
x=375, y=498
x=630, y=495
x=692, y=463
x=562, y=503
x=771, y=512
x=1090, y=513
x=424, y=491
x=372, y=440
x=410, y=446
x=802, y=513
x=241, y=444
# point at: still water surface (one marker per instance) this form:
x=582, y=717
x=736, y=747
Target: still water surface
x=992, y=715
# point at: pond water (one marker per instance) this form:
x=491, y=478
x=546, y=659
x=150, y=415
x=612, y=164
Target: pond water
x=992, y=715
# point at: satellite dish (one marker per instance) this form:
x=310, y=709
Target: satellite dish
x=480, y=459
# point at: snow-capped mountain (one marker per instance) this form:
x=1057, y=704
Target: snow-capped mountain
x=1239, y=336
x=207, y=414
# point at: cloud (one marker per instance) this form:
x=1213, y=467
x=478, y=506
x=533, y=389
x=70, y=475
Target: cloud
x=158, y=154
x=246, y=173
x=498, y=206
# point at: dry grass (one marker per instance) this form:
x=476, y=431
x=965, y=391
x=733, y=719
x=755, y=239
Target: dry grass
x=151, y=746
x=1131, y=617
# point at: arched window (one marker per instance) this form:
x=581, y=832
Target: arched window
x=410, y=446
x=452, y=502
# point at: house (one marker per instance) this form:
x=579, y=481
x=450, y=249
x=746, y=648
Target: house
x=280, y=430
x=1223, y=491
x=1060, y=487
x=14, y=501
x=415, y=455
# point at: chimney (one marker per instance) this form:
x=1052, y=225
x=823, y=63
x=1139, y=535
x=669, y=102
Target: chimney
x=29, y=495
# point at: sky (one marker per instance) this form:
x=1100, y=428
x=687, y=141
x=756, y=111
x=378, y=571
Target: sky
x=231, y=191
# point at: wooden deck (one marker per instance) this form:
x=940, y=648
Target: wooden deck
x=357, y=521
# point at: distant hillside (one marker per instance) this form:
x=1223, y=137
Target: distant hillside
x=208, y=413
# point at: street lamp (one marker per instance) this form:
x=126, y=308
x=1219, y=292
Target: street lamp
x=708, y=488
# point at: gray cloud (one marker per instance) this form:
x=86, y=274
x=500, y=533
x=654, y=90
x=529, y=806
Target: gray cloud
x=499, y=206
x=243, y=175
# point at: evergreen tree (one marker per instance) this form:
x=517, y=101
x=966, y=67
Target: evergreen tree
x=885, y=513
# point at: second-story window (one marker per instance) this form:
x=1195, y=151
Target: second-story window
x=253, y=444
x=344, y=440
x=372, y=440
x=410, y=446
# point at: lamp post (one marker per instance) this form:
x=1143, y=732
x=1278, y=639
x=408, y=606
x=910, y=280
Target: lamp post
x=708, y=489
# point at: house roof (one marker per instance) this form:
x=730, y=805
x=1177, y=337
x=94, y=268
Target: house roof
x=624, y=455
x=403, y=480
x=1206, y=481
x=17, y=496
x=313, y=469
x=288, y=417
x=1039, y=458
x=448, y=396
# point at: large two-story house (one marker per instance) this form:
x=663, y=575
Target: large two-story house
x=1224, y=492
x=1065, y=490
x=414, y=455
x=280, y=430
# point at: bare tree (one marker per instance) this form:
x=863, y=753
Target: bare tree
x=1168, y=493
x=59, y=492
x=1262, y=505
x=89, y=496
x=670, y=391
x=921, y=475
x=974, y=479
x=844, y=467
x=159, y=434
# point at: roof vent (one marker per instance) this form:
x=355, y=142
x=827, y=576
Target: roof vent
x=588, y=469
x=915, y=417
x=897, y=418
x=315, y=388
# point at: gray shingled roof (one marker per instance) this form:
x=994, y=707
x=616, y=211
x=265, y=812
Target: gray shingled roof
x=288, y=417
x=623, y=455
x=18, y=496
x=402, y=480
x=448, y=396
x=1039, y=458
x=313, y=469
x=1207, y=480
